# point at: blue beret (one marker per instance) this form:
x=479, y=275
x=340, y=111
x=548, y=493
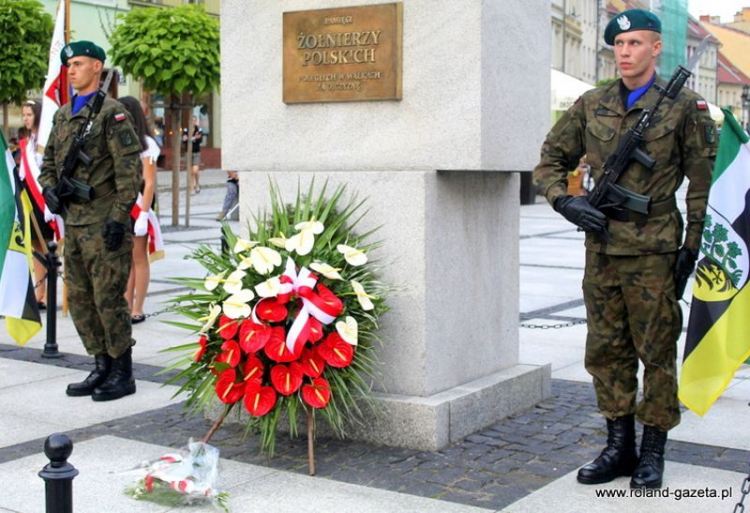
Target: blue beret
x=630, y=20
x=85, y=48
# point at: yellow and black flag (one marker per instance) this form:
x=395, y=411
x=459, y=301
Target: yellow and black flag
x=718, y=335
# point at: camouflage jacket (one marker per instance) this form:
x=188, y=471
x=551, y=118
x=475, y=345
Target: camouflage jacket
x=682, y=140
x=115, y=172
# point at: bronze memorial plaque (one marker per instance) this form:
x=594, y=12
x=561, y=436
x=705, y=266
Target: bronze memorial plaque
x=343, y=54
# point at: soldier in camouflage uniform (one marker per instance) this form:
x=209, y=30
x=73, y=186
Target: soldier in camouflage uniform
x=97, y=231
x=634, y=279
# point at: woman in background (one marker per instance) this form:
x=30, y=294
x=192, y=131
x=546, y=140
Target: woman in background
x=140, y=273
x=31, y=113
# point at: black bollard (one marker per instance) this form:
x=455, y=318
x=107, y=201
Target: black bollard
x=58, y=474
x=52, y=262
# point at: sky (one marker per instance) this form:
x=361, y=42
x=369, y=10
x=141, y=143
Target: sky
x=723, y=8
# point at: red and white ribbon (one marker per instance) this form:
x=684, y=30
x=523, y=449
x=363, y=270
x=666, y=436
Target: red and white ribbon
x=302, y=284
x=155, y=240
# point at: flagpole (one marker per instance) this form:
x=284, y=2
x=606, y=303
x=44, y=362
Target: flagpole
x=67, y=21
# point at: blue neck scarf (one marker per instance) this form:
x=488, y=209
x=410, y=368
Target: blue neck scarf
x=80, y=101
x=636, y=94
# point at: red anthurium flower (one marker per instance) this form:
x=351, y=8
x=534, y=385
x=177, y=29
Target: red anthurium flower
x=312, y=363
x=227, y=327
x=317, y=394
x=231, y=353
x=203, y=343
x=277, y=351
x=227, y=389
x=314, y=329
x=335, y=351
x=286, y=379
x=148, y=483
x=334, y=306
x=259, y=400
x=252, y=370
x=253, y=336
x=271, y=310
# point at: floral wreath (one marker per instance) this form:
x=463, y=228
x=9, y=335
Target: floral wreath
x=286, y=318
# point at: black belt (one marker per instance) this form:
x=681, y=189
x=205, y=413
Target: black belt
x=656, y=209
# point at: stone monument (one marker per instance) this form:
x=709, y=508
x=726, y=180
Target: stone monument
x=437, y=151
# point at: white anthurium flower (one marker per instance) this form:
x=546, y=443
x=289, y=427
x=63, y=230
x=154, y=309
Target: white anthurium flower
x=233, y=283
x=330, y=272
x=279, y=242
x=243, y=245
x=245, y=263
x=211, y=319
x=213, y=281
x=264, y=259
x=236, y=306
x=347, y=329
x=269, y=288
x=302, y=242
x=315, y=227
x=353, y=256
x=362, y=296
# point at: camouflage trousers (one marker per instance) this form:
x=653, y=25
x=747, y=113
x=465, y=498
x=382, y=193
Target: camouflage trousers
x=633, y=314
x=96, y=279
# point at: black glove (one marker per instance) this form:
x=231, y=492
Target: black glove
x=683, y=268
x=579, y=211
x=50, y=198
x=113, y=234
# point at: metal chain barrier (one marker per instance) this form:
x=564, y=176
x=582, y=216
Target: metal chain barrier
x=745, y=489
x=552, y=326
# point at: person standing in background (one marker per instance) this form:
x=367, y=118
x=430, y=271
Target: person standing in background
x=140, y=272
x=195, y=148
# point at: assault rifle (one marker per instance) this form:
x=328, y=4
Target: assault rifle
x=67, y=186
x=606, y=193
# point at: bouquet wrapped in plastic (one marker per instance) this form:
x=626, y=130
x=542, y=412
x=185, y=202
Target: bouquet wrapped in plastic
x=185, y=477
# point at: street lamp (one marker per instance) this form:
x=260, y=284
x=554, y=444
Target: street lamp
x=746, y=105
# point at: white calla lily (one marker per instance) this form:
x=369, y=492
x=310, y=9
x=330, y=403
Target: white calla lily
x=236, y=306
x=233, y=283
x=347, y=329
x=279, y=242
x=353, y=256
x=213, y=281
x=213, y=314
x=315, y=227
x=302, y=242
x=244, y=245
x=330, y=272
x=362, y=296
x=269, y=288
x=264, y=259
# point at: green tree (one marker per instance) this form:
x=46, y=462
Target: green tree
x=25, y=35
x=604, y=82
x=174, y=52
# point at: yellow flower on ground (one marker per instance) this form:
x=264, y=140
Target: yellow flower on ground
x=269, y=288
x=353, y=256
x=362, y=296
x=264, y=259
x=211, y=318
x=236, y=306
x=244, y=245
x=347, y=329
x=213, y=281
x=233, y=283
x=330, y=272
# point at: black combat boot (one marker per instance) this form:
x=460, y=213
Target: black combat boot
x=618, y=458
x=120, y=381
x=650, y=468
x=102, y=365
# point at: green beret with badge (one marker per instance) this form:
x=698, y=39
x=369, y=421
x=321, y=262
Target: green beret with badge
x=85, y=48
x=630, y=20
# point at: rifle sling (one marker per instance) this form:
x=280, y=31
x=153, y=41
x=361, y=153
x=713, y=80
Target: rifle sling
x=656, y=209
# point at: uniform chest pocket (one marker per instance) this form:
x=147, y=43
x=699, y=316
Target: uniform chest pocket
x=96, y=143
x=600, y=141
x=659, y=141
